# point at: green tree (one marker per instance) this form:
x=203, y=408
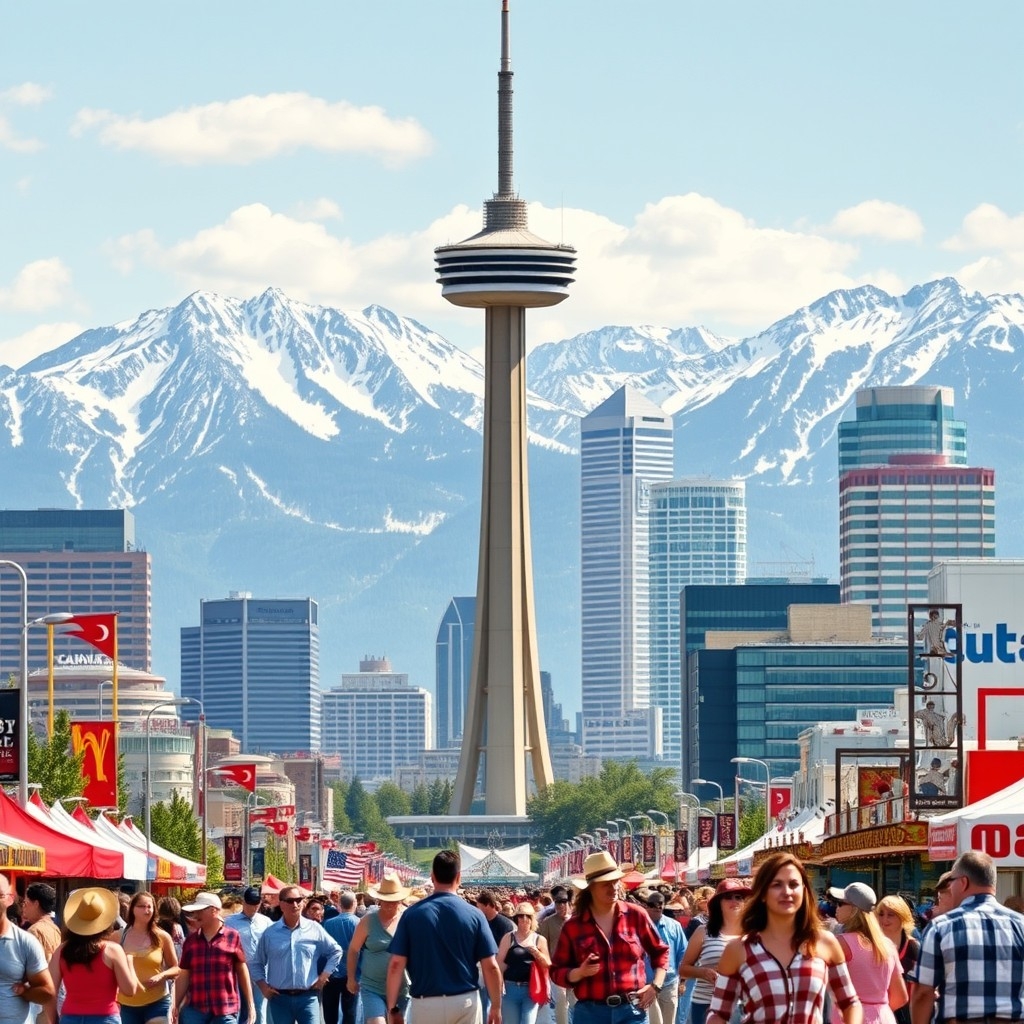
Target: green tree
x=420, y=799
x=175, y=827
x=359, y=805
x=341, y=819
x=275, y=859
x=51, y=764
x=752, y=822
x=391, y=800
x=122, y=786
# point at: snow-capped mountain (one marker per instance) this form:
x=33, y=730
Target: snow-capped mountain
x=292, y=450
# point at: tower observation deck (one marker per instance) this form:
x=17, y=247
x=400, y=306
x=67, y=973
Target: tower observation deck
x=505, y=269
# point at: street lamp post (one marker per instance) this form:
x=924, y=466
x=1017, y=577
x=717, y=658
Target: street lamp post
x=737, y=779
x=177, y=702
x=717, y=785
x=99, y=696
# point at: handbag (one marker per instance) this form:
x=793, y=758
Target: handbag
x=540, y=983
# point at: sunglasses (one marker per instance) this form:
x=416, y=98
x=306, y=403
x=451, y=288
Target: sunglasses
x=560, y=903
x=734, y=897
x=529, y=917
x=292, y=899
x=842, y=903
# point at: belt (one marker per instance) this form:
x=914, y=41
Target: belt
x=297, y=991
x=448, y=995
x=613, y=1000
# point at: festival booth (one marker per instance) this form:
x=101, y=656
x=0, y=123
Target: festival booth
x=165, y=868
x=77, y=824
x=66, y=856
x=496, y=867
x=994, y=825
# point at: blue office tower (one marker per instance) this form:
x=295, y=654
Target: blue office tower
x=453, y=665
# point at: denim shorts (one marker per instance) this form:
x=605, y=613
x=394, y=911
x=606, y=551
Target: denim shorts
x=375, y=1006
x=144, y=1014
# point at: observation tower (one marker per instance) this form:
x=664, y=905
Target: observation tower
x=505, y=269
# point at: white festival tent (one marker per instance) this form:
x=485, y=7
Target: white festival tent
x=994, y=824
x=58, y=818
x=807, y=825
x=509, y=865
x=182, y=870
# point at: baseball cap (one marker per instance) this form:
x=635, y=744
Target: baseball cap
x=252, y=896
x=202, y=901
x=857, y=894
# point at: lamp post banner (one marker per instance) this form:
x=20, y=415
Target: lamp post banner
x=705, y=832
x=681, y=849
x=726, y=832
x=10, y=741
x=99, y=767
x=232, y=858
x=649, y=848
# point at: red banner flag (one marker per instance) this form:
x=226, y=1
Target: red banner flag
x=100, y=764
x=285, y=810
x=780, y=797
x=232, y=858
x=726, y=832
x=303, y=834
x=243, y=775
x=262, y=814
x=279, y=828
x=705, y=831
x=98, y=630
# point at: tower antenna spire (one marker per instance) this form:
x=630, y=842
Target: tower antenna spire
x=505, y=187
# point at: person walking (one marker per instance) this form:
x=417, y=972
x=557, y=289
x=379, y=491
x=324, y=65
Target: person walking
x=708, y=942
x=338, y=998
x=213, y=980
x=785, y=960
x=151, y=953
x=443, y=941
x=600, y=952
x=25, y=982
x=871, y=959
x=517, y=953
x=37, y=916
x=287, y=965
x=92, y=968
x=250, y=925
x=369, y=952
x=500, y=924
x=663, y=1009
x=897, y=924
x=973, y=954
x=550, y=928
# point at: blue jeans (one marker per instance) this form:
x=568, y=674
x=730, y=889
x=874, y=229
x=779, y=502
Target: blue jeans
x=143, y=1014
x=258, y=1003
x=304, y=1009
x=685, y=998
x=516, y=1005
x=589, y=1012
x=190, y=1015
x=91, y=1018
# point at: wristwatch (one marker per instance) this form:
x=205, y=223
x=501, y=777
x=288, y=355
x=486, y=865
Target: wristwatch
x=656, y=987
x=395, y=1009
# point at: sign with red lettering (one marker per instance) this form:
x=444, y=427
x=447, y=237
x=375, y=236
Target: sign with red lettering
x=10, y=716
x=705, y=831
x=1004, y=843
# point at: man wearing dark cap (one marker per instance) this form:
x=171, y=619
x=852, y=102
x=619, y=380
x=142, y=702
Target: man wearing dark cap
x=663, y=1009
x=250, y=925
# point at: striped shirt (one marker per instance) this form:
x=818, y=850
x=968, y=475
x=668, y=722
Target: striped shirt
x=711, y=951
x=771, y=992
x=974, y=956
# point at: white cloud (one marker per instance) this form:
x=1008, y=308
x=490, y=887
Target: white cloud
x=28, y=94
x=8, y=140
x=999, y=238
x=875, y=218
x=684, y=260
x=253, y=128
x=16, y=352
x=38, y=285
x=318, y=209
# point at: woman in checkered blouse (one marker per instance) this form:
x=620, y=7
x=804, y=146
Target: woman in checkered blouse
x=780, y=969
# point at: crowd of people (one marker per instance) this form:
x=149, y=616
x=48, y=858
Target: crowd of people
x=584, y=951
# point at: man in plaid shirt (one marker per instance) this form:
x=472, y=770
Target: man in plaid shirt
x=973, y=954
x=600, y=953
x=213, y=969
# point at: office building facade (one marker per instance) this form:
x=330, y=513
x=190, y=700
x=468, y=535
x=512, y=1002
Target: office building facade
x=697, y=535
x=709, y=698
x=255, y=665
x=907, y=499
x=626, y=446
x=79, y=561
x=453, y=663
x=376, y=722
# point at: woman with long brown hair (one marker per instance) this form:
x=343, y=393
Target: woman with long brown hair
x=785, y=960
x=151, y=951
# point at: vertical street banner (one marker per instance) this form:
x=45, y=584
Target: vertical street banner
x=780, y=797
x=681, y=846
x=614, y=848
x=650, y=848
x=10, y=717
x=99, y=768
x=232, y=858
x=305, y=870
x=726, y=832
x=259, y=862
x=705, y=831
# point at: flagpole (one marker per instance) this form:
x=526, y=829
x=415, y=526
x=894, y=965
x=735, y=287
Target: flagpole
x=113, y=677
x=49, y=680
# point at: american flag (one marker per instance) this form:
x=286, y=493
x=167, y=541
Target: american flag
x=345, y=867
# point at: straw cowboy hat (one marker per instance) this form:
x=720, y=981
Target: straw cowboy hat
x=91, y=911
x=390, y=890
x=598, y=867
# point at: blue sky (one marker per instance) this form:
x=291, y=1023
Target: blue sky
x=715, y=163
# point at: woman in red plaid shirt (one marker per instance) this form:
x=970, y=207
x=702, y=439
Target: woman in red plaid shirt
x=780, y=969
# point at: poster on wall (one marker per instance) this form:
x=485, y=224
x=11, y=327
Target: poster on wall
x=10, y=715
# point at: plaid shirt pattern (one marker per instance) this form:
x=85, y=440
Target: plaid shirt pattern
x=772, y=993
x=622, y=954
x=974, y=956
x=211, y=963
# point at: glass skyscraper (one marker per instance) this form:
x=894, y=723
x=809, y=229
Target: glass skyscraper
x=453, y=664
x=697, y=534
x=255, y=665
x=83, y=561
x=625, y=447
x=907, y=499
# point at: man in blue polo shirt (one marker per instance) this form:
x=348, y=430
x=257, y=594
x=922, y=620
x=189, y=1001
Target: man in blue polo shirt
x=440, y=941
x=336, y=996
